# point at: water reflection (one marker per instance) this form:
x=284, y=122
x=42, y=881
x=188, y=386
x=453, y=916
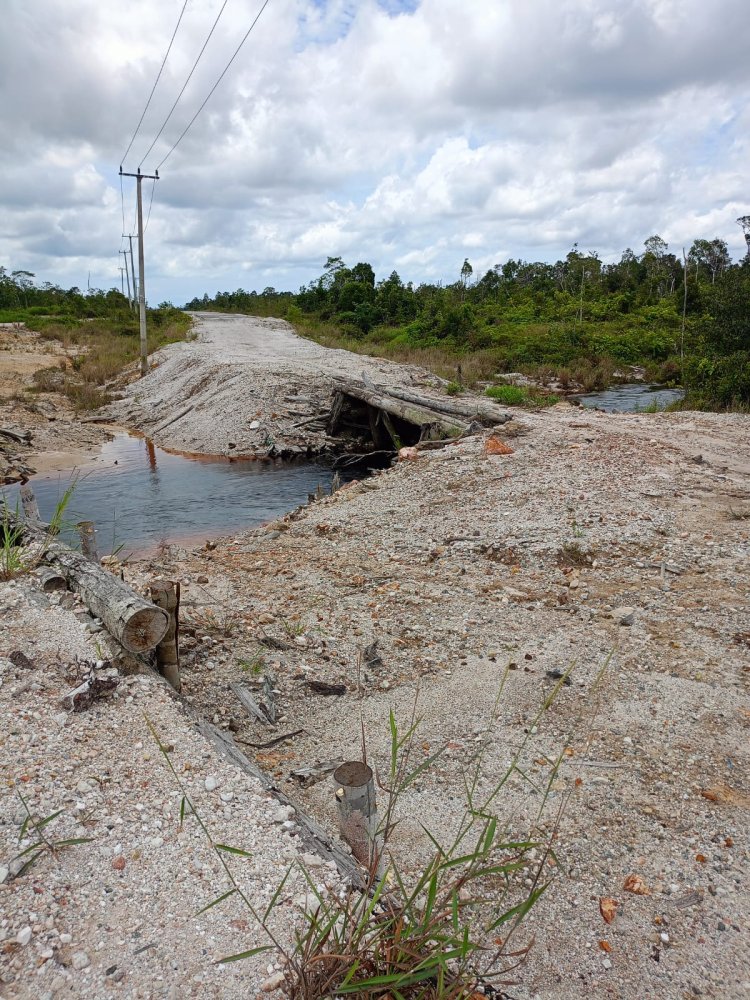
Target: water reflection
x=139, y=495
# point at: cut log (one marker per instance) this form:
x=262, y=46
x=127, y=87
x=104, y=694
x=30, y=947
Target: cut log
x=452, y=416
x=50, y=579
x=134, y=622
x=15, y=436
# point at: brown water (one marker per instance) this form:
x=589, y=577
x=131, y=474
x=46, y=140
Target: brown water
x=139, y=495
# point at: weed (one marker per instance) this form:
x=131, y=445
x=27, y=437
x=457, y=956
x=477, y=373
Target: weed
x=254, y=666
x=224, y=621
x=515, y=395
x=452, y=389
x=41, y=843
x=292, y=628
x=17, y=554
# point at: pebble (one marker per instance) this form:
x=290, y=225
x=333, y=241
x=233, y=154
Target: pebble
x=273, y=982
x=4, y=873
x=606, y=964
x=623, y=616
x=80, y=960
x=211, y=783
x=24, y=936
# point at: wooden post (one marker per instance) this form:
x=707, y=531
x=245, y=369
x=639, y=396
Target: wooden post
x=29, y=504
x=87, y=534
x=166, y=595
x=358, y=812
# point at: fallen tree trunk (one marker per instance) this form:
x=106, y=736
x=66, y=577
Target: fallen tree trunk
x=137, y=624
x=421, y=414
x=480, y=410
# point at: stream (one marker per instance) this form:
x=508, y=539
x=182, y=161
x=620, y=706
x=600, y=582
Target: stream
x=139, y=495
x=631, y=397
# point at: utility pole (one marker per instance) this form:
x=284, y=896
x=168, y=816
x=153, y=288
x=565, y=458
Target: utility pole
x=132, y=269
x=141, y=265
x=127, y=275
x=122, y=280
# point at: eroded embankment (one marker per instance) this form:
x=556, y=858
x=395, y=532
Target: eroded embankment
x=249, y=386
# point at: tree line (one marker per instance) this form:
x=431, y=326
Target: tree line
x=682, y=318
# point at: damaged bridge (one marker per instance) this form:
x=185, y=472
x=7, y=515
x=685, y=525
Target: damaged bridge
x=389, y=418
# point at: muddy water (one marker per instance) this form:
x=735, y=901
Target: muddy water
x=139, y=495
x=630, y=398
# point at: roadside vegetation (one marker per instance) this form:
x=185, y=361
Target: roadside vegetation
x=578, y=322
x=98, y=330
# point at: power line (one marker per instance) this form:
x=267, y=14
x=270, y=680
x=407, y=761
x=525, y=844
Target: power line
x=223, y=73
x=187, y=81
x=158, y=77
x=153, y=186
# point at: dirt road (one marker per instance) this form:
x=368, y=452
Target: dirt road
x=246, y=386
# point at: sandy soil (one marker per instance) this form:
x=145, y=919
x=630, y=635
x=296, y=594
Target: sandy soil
x=58, y=440
x=618, y=540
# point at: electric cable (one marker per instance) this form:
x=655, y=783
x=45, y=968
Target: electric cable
x=187, y=81
x=153, y=185
x=158, y=77
x=221, y=77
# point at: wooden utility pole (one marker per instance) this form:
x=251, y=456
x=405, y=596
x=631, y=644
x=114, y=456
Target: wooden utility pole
x=141, y=265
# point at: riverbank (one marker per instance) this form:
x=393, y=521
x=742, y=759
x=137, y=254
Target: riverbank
x=591, y=538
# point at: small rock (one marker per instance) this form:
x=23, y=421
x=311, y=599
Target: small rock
x=4, y=873
x=211, y=783
x=80, y=960
x=606, y=964
x=282, y=814
x=273, y=982
x=24, y=936
x=623, y=616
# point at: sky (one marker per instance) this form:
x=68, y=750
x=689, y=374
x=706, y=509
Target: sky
x=411, y=134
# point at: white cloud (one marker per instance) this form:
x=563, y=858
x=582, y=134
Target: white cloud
x=406, y=135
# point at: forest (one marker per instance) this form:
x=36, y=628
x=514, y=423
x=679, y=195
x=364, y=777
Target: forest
x=580, y=321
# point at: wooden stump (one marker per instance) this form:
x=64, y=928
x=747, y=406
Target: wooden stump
x=29, y=504
x=87, y=534
x=358, y=812
x=166, y=595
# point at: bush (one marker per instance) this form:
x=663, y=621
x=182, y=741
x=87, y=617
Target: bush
x=715, y=382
